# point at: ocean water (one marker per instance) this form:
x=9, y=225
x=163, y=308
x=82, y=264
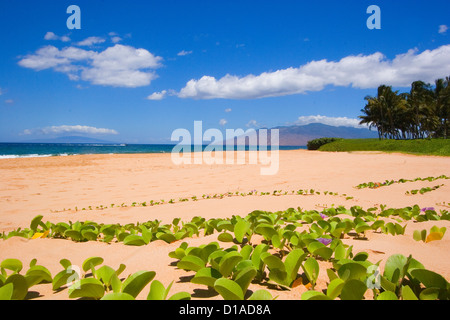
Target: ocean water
x=26, y=150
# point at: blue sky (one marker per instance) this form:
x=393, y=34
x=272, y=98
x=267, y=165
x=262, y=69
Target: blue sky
x=138, y=70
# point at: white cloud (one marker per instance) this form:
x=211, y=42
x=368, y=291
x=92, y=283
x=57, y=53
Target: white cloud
x=90, y=41
x=1, y=91
x=223, y=122
x=184, y=53
x=361, y=71
x=157, y=95
x=228, y=110
x=118, y=66
x=9, y=101
x=443, y=29
x=116, y=39
x=253, y=124
x=65, y=129
x=52, y=36
x=331, y=121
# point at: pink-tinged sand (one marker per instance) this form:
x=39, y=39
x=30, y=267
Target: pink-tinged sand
x=47, y=186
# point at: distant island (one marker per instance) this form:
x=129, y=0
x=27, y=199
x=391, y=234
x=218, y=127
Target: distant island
x=299, y=135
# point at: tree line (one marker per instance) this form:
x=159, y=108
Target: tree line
x=421, y=113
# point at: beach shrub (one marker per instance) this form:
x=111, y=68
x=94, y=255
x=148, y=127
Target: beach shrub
x=317, y=143
x=436, y=233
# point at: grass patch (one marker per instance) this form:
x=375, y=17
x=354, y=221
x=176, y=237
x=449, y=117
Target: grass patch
x=436, y=147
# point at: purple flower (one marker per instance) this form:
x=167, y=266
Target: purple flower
x=427, y=208
x=323, y=216
x=324, y=241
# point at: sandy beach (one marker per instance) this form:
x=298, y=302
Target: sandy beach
x=55, y=186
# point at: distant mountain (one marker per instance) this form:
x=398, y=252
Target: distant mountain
x=300, y=135
x=72, y=139
x=297, y=135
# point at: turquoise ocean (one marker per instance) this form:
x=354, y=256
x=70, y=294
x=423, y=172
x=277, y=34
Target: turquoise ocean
x=25, y=150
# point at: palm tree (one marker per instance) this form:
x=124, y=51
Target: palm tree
x=441, y=97
x=419, y=102
x=424, y=112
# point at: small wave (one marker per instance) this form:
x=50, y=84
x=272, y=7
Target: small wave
x=15, y=156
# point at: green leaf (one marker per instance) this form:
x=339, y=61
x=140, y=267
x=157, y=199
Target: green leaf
x=38, y=274
x=181, y=296
x=74, y=235
x=353, y=290
x=215, y=258
x=361, y=256
x=63, y=277
x=206, y=251
x=121, y=269
x=134, y=240
x=20, y=286
x=408, y=293
x=256, y=256
x=228, y=289
x=261, y=295
x=35, y=222
x=33, y=262
x=90, y=263
x=118, y=296
x=266, y=230
x=89, y=235
x=225, y=237
x=430, y=294
x=293, y=262
x=167, y=237
x=272, y=262
x=87, y=288
x=352, y=270
x=134, y=284
x=393, y=269
x=246, y=251
x=65, y=263
x=245, y=277
x=429, y=278
x=6, y=292
x=339, y=252
x=387, y=285
x=191, y=263
x=228, y=262
x=157, y=291
x=104, y=274
x=362, y=227
x=314, y=245
x=331, y=275
x=147, y=235
x=312, y=295
x=417, y=235
x=387, y=295
x=276, y=241
x=177, y=254
x=335, y=287
x=324, y=252
x=240, y=229
x=311, y=267
x=206, y=276
x=14, y=265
